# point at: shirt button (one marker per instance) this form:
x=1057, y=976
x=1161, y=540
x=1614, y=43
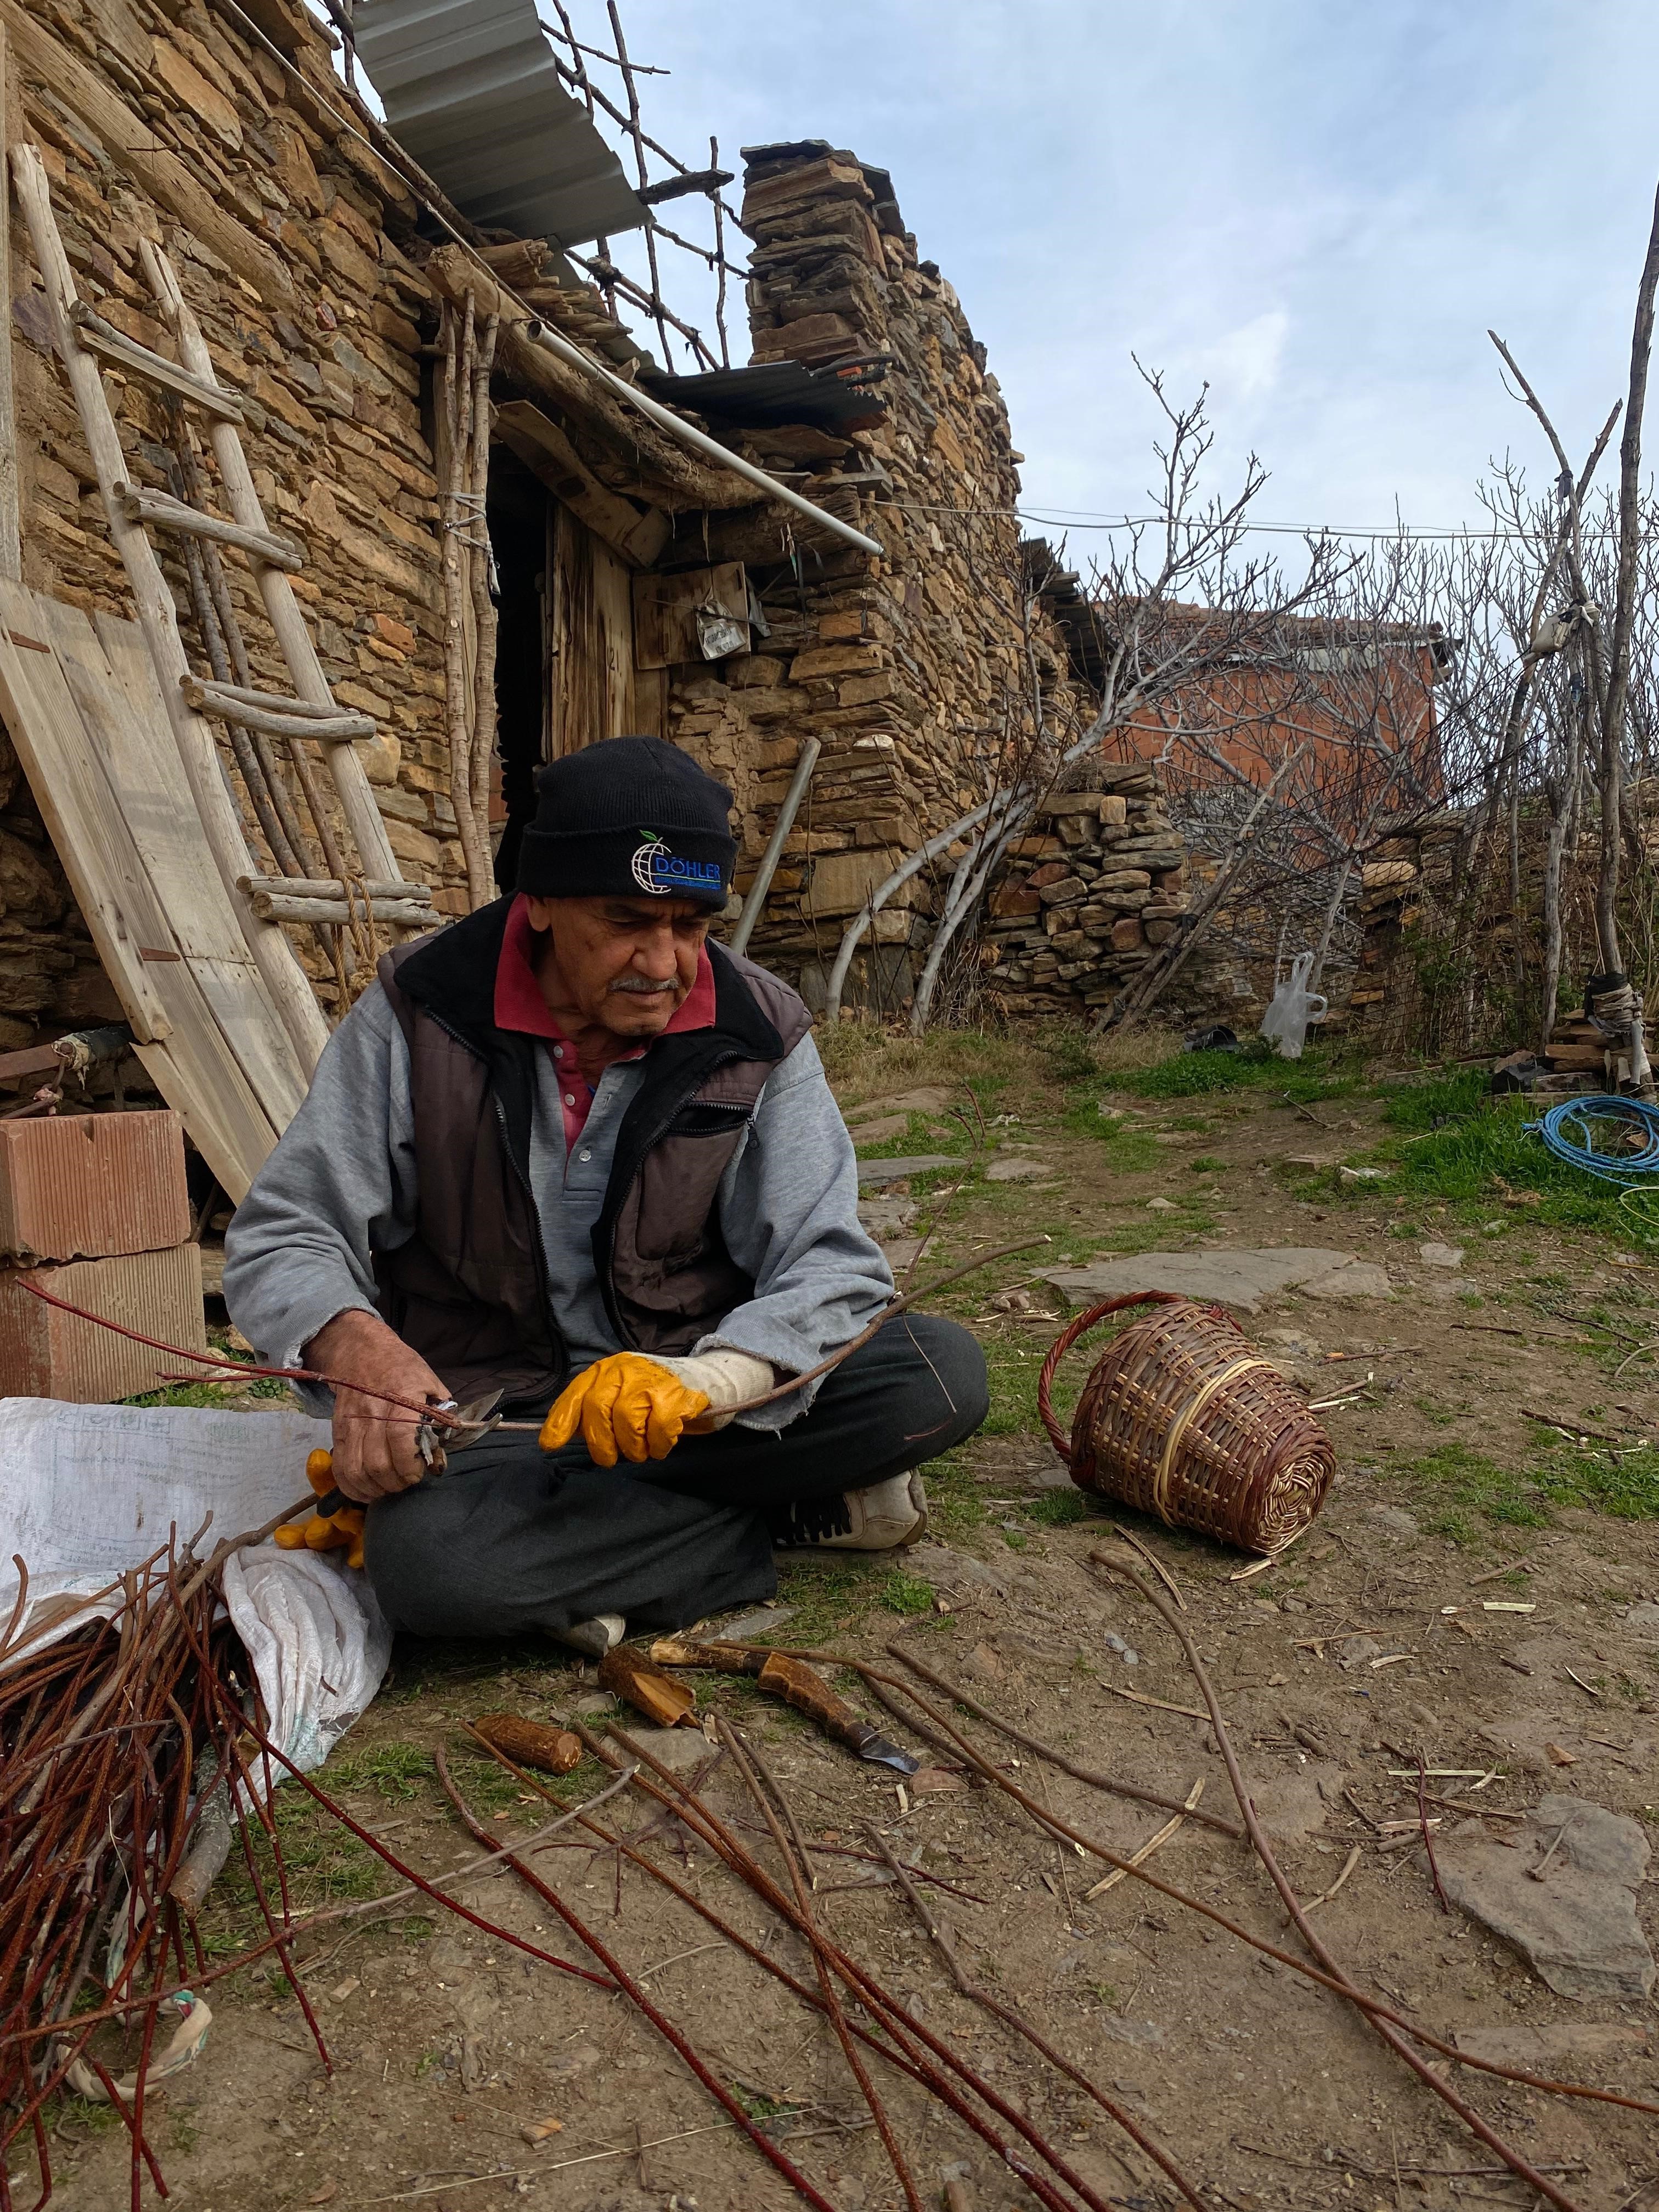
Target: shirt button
x=569, y=1098
x=584, y=1156
x=558, y=1052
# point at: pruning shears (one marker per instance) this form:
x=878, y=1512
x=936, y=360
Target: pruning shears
x=435, y=1439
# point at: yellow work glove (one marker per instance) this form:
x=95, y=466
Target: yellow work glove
x=326, y=1532
x=625, y=1405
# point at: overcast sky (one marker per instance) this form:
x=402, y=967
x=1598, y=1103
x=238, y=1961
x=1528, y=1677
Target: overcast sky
x=1320, y=205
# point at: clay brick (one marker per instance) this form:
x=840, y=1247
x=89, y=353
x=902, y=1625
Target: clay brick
x=45, y=1353
x=91, y=1185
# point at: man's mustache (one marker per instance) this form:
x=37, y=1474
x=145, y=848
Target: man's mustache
x=644, y=985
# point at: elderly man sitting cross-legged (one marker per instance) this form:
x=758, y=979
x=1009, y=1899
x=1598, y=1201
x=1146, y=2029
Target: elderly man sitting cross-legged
x=569, y=1149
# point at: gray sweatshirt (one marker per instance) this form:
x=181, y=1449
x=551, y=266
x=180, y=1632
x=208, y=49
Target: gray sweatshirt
x=341, y=1185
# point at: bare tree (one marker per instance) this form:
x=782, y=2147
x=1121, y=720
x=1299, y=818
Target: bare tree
x=1179, y=604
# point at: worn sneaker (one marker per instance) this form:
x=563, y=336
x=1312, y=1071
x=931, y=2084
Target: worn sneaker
x=592, y=1638
x=883, y=1518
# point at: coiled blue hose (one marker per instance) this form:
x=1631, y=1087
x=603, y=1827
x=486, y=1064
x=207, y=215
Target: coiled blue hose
x=1616, y=1139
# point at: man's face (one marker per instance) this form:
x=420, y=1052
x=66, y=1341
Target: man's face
x=628, y=963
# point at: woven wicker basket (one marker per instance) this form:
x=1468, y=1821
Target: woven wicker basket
x=1181, y=1417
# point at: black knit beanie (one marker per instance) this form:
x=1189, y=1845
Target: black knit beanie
x=625, y=816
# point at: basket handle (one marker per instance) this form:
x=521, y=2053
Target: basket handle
x=1069, y=1335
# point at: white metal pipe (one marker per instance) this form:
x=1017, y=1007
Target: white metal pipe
x=774, y=852
x=688, y=435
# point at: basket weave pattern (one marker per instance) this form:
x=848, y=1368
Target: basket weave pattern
x=1181, y=1417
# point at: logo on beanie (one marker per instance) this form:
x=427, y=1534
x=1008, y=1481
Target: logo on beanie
x=662, y=873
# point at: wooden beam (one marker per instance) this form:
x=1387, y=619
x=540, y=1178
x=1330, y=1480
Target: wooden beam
x=11, y=549
x=638, y=534
x=454, y=271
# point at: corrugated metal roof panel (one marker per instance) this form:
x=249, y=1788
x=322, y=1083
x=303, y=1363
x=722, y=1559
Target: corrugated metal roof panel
x=469, y=89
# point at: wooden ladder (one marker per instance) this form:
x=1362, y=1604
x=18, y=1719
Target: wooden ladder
x=374, y=892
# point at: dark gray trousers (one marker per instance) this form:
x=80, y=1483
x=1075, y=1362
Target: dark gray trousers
x=513, y=1538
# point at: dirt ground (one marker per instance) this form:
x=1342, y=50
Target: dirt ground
x=1371, y=1645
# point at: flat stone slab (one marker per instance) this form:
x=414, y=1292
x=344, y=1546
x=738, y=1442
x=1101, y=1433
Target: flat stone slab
x=887, y=1217
x=875, y=1172
x=1576, y=1927
x=1020, y=1171
x=882, y=1130
x=1441, y=1255
x=930, y=1099
x=1241, y=1278
x=749, y=1625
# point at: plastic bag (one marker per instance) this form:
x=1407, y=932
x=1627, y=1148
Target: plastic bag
x=1292, y=1008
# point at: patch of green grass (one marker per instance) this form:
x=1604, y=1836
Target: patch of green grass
x=1475, y=1152
x=1625, y=1489
x=924, y=1132
x=1465, y=1483
x=1056, y=1508
x=1131, y=1149
x=395, y=1770
x=1468, y=1483
x=1199, y=1074
x=828, y=1590
x=907, y=1593
x=89, y=2115
x=1207, y=1165
x=1013, y=1365
x=180, y=1394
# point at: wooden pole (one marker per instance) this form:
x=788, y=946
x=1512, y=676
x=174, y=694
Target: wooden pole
x=11, y=547
x=483, y=606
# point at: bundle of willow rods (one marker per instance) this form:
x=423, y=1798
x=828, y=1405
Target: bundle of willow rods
x=112, y=1742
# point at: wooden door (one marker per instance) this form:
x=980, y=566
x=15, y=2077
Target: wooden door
x=590, y=646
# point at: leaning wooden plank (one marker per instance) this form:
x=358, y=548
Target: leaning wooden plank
x=108, y=672
x=45, y=728
x=63, y=750
x=144, y=765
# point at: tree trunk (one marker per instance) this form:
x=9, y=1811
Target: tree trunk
x=1610, y=778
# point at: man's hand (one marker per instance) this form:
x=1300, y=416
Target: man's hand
x=375, y=1452
x=624, y=1404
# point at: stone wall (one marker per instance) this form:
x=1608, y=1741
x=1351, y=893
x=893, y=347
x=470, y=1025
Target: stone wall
x=166, y=122
x=1449, y=962
x=905, y=667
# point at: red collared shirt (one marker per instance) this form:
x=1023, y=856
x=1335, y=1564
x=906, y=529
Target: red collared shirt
x=519, y=1006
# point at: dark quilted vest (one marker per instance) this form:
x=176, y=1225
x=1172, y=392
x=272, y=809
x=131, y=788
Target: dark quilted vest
x=469, y=1291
